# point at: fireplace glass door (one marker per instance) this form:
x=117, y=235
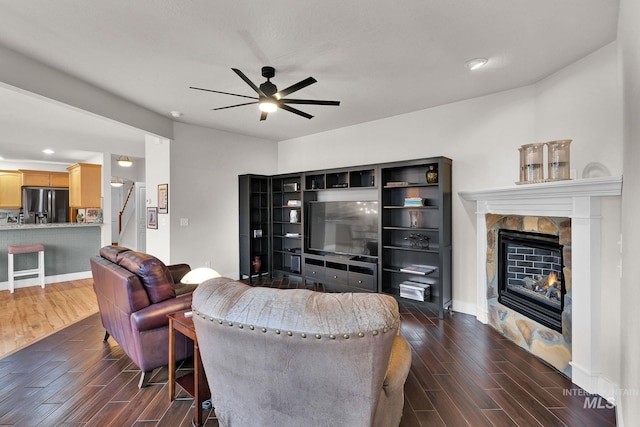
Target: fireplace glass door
x=531, y=279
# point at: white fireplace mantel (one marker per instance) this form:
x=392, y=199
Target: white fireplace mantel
x=579, y=200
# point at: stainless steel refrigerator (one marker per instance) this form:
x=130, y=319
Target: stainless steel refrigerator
x=45, y=204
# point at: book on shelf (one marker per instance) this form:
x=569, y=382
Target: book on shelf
x=419, y=269
x=413, y=201
x=292, y=235
x=397, y=184
x=414, y=284
x=294, y=203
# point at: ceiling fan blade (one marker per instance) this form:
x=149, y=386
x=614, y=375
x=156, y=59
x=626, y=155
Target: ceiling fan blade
x=309, y=101
x=224, y=93
x=237, y=105
x=263, y=115
x=295, y=111
x=301, y=84
x=249, y=82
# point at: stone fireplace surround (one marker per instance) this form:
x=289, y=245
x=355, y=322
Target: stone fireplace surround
x=580, y=201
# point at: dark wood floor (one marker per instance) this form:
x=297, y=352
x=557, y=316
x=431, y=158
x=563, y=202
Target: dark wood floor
x=463, y=374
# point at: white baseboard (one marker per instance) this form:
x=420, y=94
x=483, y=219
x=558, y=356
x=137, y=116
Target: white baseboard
x=33, y=281
x=464, y=307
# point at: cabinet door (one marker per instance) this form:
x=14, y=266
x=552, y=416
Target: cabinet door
x=85, y=185
x=74, y=188
x=10, y=189
x=35, y=178
x=59, y=179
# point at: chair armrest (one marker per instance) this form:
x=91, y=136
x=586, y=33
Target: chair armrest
x=399, y=365
x=178, y=271
x=155, y=315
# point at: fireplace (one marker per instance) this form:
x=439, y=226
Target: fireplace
x=531, y=279
x=577, y=350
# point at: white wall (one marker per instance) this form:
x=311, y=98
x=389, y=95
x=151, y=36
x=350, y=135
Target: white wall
x=158, y=158
x=482, y=136
x=629, y=39
x=205, y=165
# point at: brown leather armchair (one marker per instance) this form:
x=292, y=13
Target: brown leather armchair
x=295, y=357
x=135, y=293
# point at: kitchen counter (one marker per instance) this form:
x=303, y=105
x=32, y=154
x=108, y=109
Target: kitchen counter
x=48, y=225
x=67, y=249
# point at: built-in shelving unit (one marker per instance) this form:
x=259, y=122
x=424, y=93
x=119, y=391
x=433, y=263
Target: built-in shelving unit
x=414, y=229
x=255, y=226
x=286, y=208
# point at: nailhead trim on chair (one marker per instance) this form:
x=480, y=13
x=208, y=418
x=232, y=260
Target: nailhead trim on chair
x=289, y=333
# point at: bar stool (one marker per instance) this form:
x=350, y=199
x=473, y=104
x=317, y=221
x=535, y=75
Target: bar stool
x=26, y=249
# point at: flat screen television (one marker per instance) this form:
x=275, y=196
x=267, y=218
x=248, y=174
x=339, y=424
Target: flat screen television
x=344, y=227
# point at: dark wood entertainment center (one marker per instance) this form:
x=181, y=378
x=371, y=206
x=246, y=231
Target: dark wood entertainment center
x=411, y=246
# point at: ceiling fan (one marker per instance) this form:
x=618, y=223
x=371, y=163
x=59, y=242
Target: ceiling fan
x=269, y=99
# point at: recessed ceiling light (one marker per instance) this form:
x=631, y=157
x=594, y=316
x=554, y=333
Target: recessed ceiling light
x=476, y=63
x=48, y=151
x=175, y=114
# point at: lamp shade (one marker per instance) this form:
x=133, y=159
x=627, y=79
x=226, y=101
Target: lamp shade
x=199, y=275
x=117, y=182
x=124, y=161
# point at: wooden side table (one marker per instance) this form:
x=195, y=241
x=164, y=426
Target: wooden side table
x=195, y=383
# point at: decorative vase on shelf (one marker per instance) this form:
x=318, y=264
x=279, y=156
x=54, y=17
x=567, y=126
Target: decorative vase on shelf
x=432, y=175
x=413, y=218
x=257, y=263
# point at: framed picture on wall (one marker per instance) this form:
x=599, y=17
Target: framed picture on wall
x=163, y=198
x=152, y=218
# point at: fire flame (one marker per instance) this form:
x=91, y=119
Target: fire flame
x=551, y=279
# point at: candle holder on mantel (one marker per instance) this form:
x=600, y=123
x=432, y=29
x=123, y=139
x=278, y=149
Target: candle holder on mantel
x=558, y=155
x=531, y=163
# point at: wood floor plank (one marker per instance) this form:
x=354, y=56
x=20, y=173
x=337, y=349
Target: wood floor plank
x=533, y=388
x=415, y=393
x=522, y=394
x=467, y=407
x=512, y=407
x=473, y=392
x=447, y=410
x=499, y=418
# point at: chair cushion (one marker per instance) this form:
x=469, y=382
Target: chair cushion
x=153, y=273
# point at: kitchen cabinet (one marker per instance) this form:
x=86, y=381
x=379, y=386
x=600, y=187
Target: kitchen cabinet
x=85, y=184
x=59, y=179
x=10, y=189
x=32, y=178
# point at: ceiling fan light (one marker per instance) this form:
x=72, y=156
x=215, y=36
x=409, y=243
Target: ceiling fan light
x=124, y=161
x=268, y=106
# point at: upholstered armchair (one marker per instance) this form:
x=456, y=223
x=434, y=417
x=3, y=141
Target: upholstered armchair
x=135, y=293
x=295, y=357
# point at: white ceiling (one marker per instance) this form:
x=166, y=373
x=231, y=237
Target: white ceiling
x=379, y=58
